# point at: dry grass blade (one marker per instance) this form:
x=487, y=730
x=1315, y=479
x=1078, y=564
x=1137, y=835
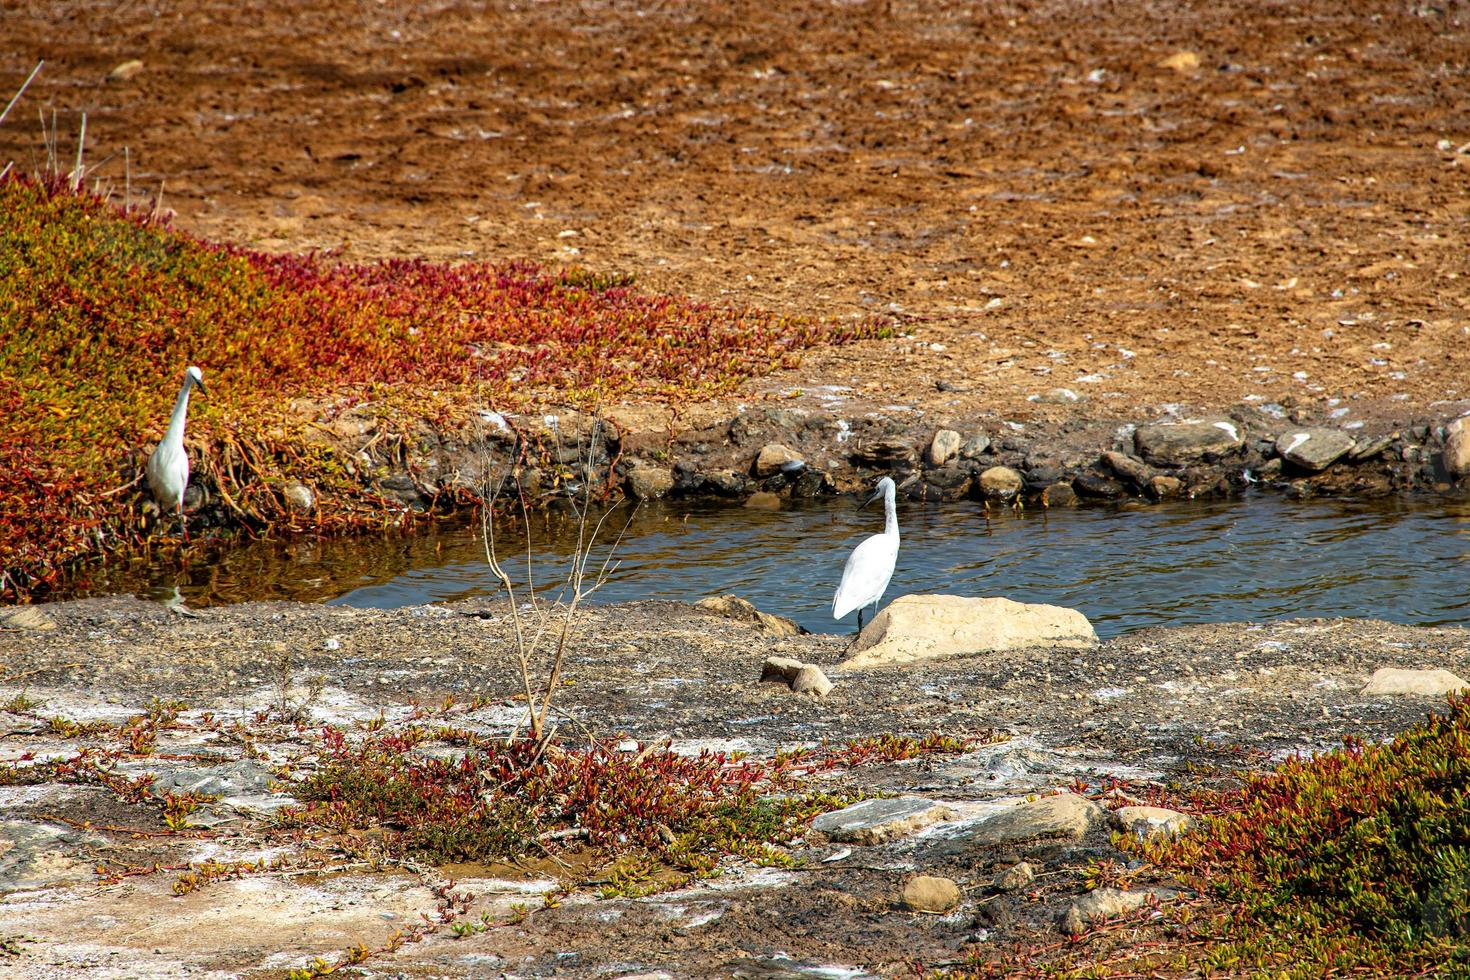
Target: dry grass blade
x=21, y=91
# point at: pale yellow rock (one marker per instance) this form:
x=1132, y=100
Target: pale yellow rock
x=125, y=71
x=1400, y=680
x=923, y=627
x=1457, y=447
x=926, y=893
x=1001, y=482
x=811, y=680
x=1181, y=61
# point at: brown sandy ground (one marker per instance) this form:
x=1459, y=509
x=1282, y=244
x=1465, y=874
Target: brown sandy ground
x=1160, y=705
x=1035, y=191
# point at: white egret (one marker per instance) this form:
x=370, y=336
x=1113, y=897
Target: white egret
x=870, y=566
x=168, y=467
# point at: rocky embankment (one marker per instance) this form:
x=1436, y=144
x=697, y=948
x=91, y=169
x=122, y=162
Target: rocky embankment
x=800, y=452
x=964, y=856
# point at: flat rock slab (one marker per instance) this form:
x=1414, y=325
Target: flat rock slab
x=1400, y=680
x=243, y=778
x=1065, y=816
x=1313, y=449
x=876, y=821
x=922, y=627
x=1177, y=443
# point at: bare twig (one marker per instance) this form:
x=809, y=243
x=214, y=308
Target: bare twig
x=21, y=91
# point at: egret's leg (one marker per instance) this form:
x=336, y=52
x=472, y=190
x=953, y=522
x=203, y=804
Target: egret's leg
x=183, y=522
x=860, y=620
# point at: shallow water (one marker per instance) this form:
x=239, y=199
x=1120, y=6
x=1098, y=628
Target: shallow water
x=1130, y=566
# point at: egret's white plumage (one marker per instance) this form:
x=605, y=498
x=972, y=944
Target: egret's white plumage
x=168, y=467
x=870, y=566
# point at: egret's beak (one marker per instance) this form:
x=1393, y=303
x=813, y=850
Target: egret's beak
x=877, y=495
x=200, y=385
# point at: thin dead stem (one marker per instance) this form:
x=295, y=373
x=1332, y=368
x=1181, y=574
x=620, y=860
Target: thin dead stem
x=554, y=618
x=21, y=91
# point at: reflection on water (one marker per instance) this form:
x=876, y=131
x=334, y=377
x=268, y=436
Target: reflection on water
x=1125, y=567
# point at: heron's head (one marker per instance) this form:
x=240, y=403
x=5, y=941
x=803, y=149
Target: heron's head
x=885, y=486
x=197, y=376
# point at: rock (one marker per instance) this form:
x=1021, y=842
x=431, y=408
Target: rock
x=1161, y=487
x=1373, y=447
x=876, y=821
x=25, y=618
x=736, y=608
x=125, y=70
x=1457, y=447
x=300, y=498
x=1014, y=877
x=1058, y=495
x=782, y=669
x=811, y=680
x=1098, y=487
x=889, y=451
x=952, y=478
x=1001, y=483
x=773, y=457
x=649, y=482
x=1151, y=821
x=922, y=627
x=34, y=856
x=975, y=446
x=943, y=447
x=1176, y=443
x=1400, y=680
x=811, y=483
x=243, y=778
x=726, y=483
x=1065, y=816
x=924, y=893
x=761, y=500
x=1180, y=61
x=1107, y=903
x=1130, y=468
x=1058, y=396
x=1313, y=449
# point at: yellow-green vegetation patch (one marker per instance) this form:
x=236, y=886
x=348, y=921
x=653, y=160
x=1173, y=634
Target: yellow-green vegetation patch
x=101, y=310
x=1352, y=862
x=1357, y=859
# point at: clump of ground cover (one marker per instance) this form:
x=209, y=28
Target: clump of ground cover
x=101, y=310
x=1355, y=861
x=502, y=799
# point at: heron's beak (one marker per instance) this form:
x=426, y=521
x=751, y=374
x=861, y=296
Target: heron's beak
x=877, y=495
x=200, y=385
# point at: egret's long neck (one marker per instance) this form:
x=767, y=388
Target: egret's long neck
x=175, y=431
x=890, y=515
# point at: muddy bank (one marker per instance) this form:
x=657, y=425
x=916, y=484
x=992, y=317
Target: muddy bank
x=1186, y=705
